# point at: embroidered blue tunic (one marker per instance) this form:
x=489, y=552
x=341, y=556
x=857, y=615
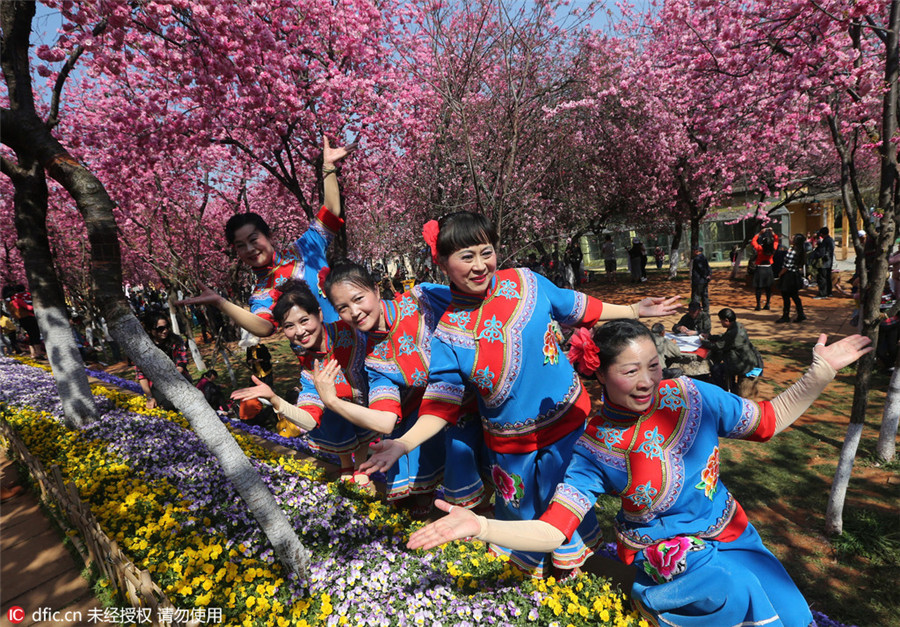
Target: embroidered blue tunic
x=303, y=260
x=397, y=367
x=699, y=560
x=334, y=433
x=532, y=404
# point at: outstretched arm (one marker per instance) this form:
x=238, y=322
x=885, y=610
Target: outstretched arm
x=330, y=156
x=293, y=413
x=648, y=308
x=520, y=535
x=243, y=318
x=827, y=360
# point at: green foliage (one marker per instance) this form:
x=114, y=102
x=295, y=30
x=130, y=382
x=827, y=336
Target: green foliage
x=874, y=535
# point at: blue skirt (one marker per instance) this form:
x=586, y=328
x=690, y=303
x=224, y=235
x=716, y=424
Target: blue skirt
x=335, y=434
x=421, y=470
x=467, y=462
x=524, y=484
x=724, y=584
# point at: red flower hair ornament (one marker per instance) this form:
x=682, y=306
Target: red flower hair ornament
x=323, y=274
x=430, y=233
x=583, y=353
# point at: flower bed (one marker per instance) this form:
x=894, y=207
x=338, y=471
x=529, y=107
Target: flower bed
x=161, y=495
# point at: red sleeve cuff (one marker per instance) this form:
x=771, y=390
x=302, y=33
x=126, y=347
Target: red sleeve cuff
x=386, y=404
x=266, y=315
x=330, y=221
x=562, y=518
x=442, y=409
x=315, y=411
x=592, y=312
x=766, y=428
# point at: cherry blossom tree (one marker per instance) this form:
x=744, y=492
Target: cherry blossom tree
x=30, y=137
x=717, y=128
x=832, y=63
x=494, y=144
x=172, y=80
x=30, y=201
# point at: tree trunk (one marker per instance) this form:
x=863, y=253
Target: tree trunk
x=25, y=133
x=675, y=253
x=736, y=266
x=834, y=523
x=887, y=447
x=871, y=290
x=888, y=201
x=195, y=353
x=224, y=352
x=695, y=231
x=30, y=205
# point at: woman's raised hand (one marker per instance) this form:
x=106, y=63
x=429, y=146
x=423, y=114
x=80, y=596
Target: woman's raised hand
x=260, y=390
x=843, y=352
x=653, y=306
x=458, y=524
x=323, y=378
x=330, y=155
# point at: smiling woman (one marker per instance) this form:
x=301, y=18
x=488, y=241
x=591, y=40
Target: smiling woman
x=655, y=444
x=398, y=354
x=157, y=326
x=303, y=260
x=497, y=338
x=316, y=343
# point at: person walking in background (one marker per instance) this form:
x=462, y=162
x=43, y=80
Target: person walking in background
x=700, y=277
x=764, y=243
x=18, y=301
x=778, y=258
x=574, y=257
x=10, y=334
x=637, y=260
x=659, y=254
x=824, y=252
x=791, y=279
x=608, y=252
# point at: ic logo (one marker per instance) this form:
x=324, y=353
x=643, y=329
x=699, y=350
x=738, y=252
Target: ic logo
x=16, y=614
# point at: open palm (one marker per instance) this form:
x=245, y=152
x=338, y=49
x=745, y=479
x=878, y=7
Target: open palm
x=330, y=155
x=843, y=352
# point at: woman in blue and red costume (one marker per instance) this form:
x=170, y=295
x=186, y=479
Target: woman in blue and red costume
x=298, y=314
x=498, y=336
x=398, y=354
x=655, y=444
x=303, y=260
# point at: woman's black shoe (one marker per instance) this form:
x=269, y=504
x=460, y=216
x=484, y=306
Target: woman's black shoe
x=782, y=319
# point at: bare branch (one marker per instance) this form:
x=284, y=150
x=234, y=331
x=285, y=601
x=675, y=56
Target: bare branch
x=53, y=118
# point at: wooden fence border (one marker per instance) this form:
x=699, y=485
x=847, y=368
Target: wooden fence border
x=95, y=547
